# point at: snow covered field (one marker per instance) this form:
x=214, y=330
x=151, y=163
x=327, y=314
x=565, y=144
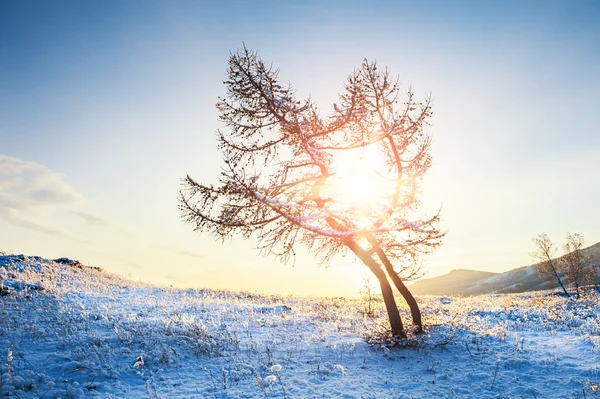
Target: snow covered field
x=68, y=331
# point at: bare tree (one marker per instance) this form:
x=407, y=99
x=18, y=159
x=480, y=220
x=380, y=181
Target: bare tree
x=367, y=294
x=282, y=182
x=546, y=265
x=576, y=264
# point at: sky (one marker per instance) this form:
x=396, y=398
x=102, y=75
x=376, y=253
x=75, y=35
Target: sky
x=106, y=105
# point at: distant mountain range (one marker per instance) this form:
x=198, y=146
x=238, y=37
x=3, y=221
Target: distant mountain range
x=472, y=282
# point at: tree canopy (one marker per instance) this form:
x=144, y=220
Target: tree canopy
x=286, y=180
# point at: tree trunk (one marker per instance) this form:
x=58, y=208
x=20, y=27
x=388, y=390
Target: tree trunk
x=415, y=312
x=558, y=278
x=397, y=328
x=396, y=325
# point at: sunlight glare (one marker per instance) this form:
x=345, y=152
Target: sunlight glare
x=358, y=183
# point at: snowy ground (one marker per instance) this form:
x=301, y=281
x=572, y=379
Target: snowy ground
x=71, y=332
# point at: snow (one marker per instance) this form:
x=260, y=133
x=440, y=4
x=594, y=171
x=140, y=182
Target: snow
x=300, y=221
x=319, y=155
x=273, y=309
x=321, y=214
x=504, y=281
x=505, y=277
x=273, y=201
x=86, y=333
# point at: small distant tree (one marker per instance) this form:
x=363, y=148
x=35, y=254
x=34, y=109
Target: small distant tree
x=281, y=176
x=546, y=266
x=577, y=266
x=367, y=294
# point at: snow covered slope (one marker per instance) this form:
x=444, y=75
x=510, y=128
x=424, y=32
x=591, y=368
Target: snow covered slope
x=522, y=279
x=69, y=331
x=457, y=282
x=472, y=282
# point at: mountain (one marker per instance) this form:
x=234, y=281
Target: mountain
x=473, y=282
x=457, y=282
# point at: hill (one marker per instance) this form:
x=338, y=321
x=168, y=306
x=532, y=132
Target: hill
x=472, y=282
x=457, y=282
x=71, y=331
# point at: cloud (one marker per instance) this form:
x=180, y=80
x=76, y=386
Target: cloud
x=31, y=187
x=179, y=251
x=98, y=221
x=29, y=190
x=14, y=218
x=92, y=220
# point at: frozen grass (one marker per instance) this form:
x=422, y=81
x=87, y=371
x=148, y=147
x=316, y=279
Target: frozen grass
x=72, y=332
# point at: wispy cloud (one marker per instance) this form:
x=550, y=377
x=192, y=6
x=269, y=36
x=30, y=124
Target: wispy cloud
x=92, y=220
x=179, y=251
x=14, y=218
x=31, y=187
x=98, y=221
x=29, y=190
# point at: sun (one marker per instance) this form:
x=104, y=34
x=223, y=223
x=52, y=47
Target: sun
x=358, y=183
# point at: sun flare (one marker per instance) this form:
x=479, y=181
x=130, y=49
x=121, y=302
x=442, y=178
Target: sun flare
x=357, y=182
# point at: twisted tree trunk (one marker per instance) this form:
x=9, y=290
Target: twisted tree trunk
x=415, y=312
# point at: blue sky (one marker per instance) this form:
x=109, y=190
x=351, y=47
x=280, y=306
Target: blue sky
x=105, y=105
